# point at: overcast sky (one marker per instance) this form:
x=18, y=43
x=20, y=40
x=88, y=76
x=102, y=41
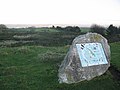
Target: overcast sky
x=103, y=12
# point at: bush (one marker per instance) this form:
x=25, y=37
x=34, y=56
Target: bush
x=98, y=29
x=3, y=28
x=69, y=29
x=112, y=30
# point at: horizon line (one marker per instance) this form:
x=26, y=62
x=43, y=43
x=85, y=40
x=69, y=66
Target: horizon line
x=50, y=25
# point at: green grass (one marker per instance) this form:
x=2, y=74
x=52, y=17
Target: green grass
x=39, y=36
x=36, y=68
x=46, y=30
x=85, y=30
x=115, y=54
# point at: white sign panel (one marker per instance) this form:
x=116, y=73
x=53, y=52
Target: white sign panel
x=91, y=54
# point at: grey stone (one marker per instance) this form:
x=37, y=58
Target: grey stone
x=71, y=70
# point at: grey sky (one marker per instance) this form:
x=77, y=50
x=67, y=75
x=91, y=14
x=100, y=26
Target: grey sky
x=84, y=12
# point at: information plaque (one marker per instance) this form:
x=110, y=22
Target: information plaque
x=91, y=54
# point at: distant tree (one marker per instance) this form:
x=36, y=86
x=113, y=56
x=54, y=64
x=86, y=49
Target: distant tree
x=53, y=26
x=73, y=29
x=111, y=30
x=59, y=28
x=77, y=29
x=119, y=30
x=69, y=28
x=3, y=28
x=98, y=29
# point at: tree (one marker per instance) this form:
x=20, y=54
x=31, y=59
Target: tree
x=59, y=28
x=53, y=26
x=119, y=30
x=72, y=29
x=77, y=29
x=3, y=28
x=69, y=28
x=98, y=29
x=111, y=30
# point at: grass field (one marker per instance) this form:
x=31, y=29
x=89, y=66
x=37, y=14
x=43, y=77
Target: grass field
x=30, y=59
x=85, y=30
x=115, y=53
x=36, y=68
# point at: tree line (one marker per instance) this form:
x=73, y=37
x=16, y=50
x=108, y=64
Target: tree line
x=68, y=28
x=111, y=30
x=112, y=33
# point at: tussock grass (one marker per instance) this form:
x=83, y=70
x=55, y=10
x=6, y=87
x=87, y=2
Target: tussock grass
x=36, y=68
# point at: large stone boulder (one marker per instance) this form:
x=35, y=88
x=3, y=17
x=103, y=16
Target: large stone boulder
x=71, y=69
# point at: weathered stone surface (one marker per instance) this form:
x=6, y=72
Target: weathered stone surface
x=71, y=70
